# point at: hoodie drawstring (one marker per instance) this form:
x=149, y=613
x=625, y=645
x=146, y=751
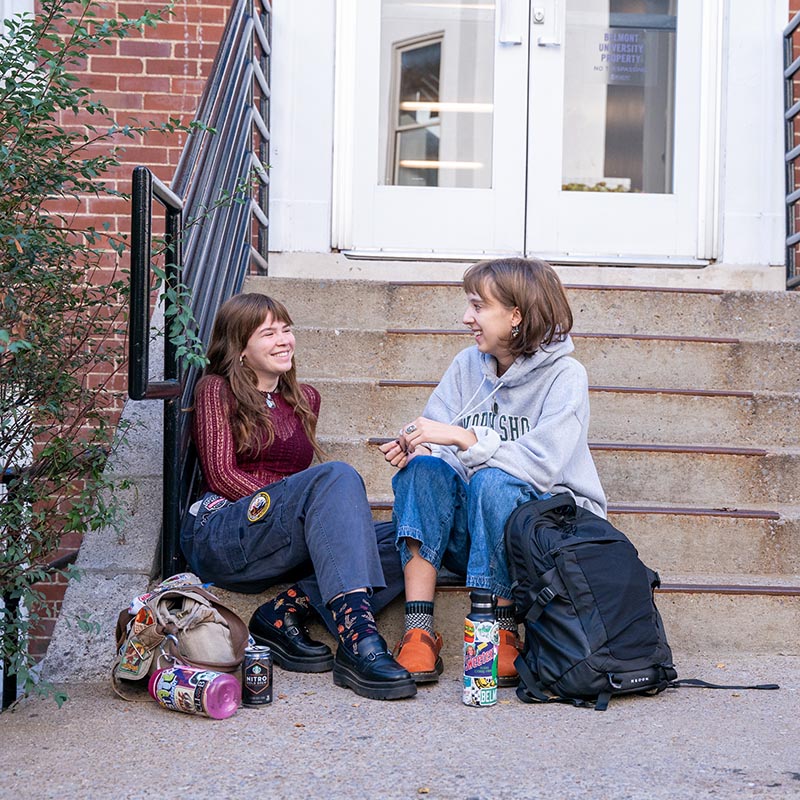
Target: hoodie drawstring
x=467, y=409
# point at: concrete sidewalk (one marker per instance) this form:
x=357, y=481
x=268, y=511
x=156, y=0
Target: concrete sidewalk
x=320, y=741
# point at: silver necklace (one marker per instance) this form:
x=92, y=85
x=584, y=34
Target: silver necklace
x=270, y=401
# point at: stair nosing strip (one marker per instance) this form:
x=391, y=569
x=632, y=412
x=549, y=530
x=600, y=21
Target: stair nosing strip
x=729, y=589
x=648, y=337
x=725, y=590
x=645, y=448
x=678, y=511
x=679, y=448
x=583, y=286
x=388, y=383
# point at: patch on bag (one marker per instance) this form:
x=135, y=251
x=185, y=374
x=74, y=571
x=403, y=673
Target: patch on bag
x=135, y=659
x=258, y=507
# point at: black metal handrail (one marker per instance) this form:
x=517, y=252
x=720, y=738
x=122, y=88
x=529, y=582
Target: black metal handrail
x=216, y=231
x=791, y=110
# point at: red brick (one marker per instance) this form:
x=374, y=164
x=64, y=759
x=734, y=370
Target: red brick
x=137, y=84
x=183, y=85
x=116, y=65
x=144, y=48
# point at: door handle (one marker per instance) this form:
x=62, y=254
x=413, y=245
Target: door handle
x=513, y=18
x=554, y=37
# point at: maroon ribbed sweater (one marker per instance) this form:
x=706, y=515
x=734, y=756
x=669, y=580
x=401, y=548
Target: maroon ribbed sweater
x=236, y=475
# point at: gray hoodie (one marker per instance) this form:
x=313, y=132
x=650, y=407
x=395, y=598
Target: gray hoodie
x=532, y=422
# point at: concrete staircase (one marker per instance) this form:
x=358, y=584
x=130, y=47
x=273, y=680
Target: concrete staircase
x=695, y=398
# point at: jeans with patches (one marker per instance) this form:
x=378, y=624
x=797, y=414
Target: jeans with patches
x=317, y=530
x=459, y=524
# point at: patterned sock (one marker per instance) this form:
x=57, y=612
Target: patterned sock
x=505, y=616
x=419, y=614
x=353, y=616
x=290, y=601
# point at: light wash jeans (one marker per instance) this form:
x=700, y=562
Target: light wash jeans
x=459, y=525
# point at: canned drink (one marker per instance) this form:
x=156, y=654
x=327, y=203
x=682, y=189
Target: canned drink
x=195, y=691
x=257, y=676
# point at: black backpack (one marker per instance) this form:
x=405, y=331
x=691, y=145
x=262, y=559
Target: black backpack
x=592, y=629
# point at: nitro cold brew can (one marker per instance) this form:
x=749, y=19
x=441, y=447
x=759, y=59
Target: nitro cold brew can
x=257, y=676
x=481, y=643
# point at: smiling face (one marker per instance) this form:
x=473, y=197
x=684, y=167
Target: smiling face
x=491, y=322
x=269, y=352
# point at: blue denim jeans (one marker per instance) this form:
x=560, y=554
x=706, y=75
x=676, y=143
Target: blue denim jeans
x=459, y=524
x=314, y=527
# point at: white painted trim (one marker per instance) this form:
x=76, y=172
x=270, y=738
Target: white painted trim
x=709, y=175
x=344, y=123
x=556, y=258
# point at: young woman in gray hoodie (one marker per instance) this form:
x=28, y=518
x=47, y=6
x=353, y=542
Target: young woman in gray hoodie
x=507, y=423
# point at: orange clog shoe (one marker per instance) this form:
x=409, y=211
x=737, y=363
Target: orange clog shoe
x=419, y=652
x=510, y=648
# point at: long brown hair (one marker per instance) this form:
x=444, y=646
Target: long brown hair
x=532, y=286
x=235, y=323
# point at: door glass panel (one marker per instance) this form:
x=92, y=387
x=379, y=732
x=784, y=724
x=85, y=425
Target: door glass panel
x=437, y=93
x=619, y=96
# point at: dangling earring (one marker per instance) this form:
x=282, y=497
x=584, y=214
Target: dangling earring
x=241, y=361
x=514, y=331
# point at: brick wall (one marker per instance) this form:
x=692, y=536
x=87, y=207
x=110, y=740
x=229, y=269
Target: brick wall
x=150, y=77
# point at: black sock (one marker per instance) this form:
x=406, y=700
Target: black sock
x=505, y=616
x=353, y=616
x=419, y=614
x=293, y=600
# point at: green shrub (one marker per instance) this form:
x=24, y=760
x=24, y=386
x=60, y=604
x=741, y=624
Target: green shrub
x=62, y=297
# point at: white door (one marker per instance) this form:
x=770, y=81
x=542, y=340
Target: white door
x=431, y=126
x=617, y=146
x=570, y=129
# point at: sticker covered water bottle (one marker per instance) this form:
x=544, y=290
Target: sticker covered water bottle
x=481, y=643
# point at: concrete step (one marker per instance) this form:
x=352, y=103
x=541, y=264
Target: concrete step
x=609, y=360
x=700, y=540
x=712, y=615
x=646, y=474
x=376, y=305
x=364, y=408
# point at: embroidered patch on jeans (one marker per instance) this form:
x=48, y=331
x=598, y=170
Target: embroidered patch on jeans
x=258, y=507
x=215, y=503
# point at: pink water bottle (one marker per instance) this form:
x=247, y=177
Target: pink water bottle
x=196, y=691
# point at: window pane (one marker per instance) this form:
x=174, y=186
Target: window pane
x=619, y=96
x=437, y=93
x=419, y=83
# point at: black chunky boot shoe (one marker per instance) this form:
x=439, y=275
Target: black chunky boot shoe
x=292, y=646
x=373, y=672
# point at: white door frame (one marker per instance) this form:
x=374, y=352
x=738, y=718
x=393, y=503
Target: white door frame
x=349, y=139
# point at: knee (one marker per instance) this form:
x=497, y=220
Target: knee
x=422, y=472
x=489, y=480
x=340, y=472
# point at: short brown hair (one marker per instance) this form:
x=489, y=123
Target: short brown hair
x=532, y=286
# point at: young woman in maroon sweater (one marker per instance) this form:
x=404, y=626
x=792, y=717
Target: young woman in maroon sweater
x=268, y=516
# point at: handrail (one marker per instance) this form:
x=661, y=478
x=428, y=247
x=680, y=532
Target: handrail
x=211, y=242
x=791, y=109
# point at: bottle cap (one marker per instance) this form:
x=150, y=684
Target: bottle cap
x=482, y=599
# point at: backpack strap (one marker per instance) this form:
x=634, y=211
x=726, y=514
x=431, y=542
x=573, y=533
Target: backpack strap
x=695, y=683
x=548, y=587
